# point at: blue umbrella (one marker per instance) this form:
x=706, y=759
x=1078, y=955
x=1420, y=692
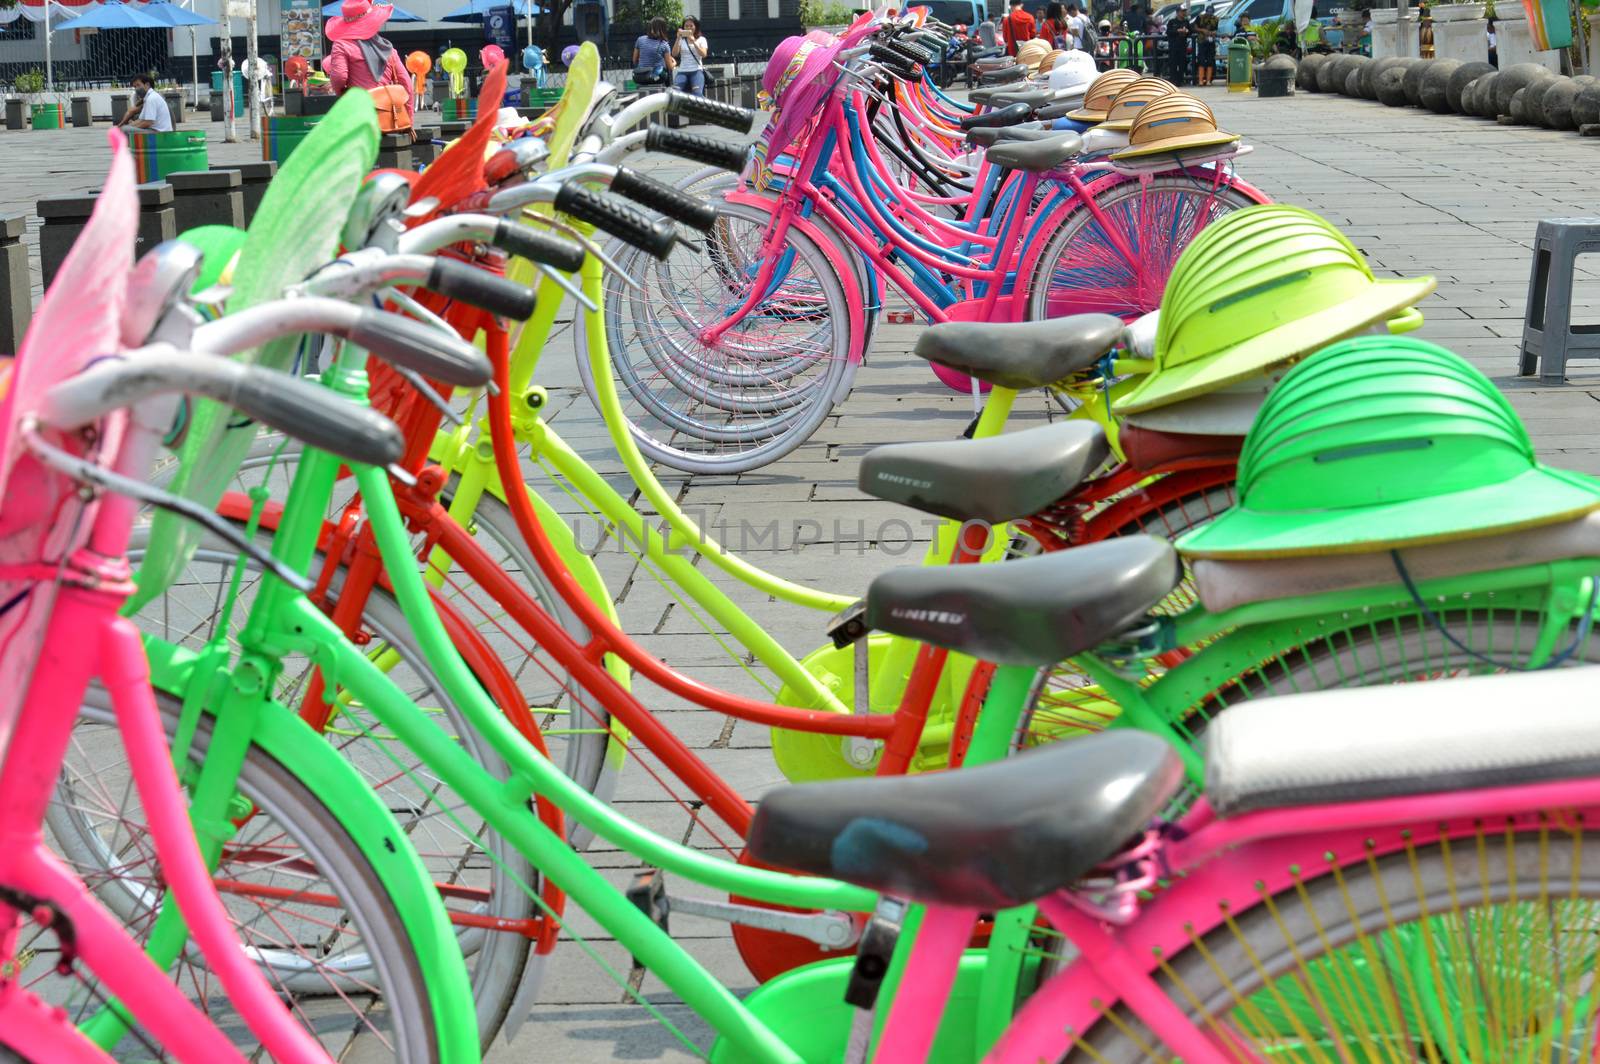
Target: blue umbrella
x=400, y=14
x=474, y=10
x=114, y=15
x=173, y=15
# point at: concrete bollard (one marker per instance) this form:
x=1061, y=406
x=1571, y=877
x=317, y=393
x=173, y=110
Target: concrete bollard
x=80, y=112
x=15, y=116
x=394, y=151
x=16, y=304
x=253, y=181
x=207, y=197
x=119, y=105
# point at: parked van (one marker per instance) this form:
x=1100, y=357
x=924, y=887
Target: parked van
x=1263, y=10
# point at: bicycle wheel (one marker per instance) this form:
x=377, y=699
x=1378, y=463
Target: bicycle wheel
x=303, y=899
x=1084, y=269
x=479, y=873
x=1477, y=947
x=1066, y=703
x=757, y=393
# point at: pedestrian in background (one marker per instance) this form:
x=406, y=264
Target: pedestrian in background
x=1178, y=32
x=652, y=55
x=689, y=50
x=1018, y=26
x=1205, y=47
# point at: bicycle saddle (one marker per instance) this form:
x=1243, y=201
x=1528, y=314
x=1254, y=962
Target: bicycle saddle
x=1016, y=72
x=984, y=136
x=1001, y=96
x=990, y=837
x=1033, y=611
x=1035, y=156
x=1004, y=116
x=1021, y=355
x=997, y=479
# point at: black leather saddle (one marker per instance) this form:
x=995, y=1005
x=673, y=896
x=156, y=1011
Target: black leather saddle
x=997, y=479
x=1033, y=611
x=1035, y=156
x=1004, y=96
x=1000, y=116
x=1021, y=355
x=991, y=837
x=987, y=135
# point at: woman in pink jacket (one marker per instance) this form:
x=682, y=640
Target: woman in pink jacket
x=360, y=58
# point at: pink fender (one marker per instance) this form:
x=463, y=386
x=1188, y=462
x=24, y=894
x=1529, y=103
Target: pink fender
x=836, y=258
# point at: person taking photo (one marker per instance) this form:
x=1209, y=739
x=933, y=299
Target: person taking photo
x=689, y=51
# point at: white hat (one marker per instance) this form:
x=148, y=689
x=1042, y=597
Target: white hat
x=1075, y=70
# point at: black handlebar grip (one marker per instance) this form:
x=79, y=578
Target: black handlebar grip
x=910, y=52
x=320, y=418
x=538, y=247
x=421, y=348
x=618, y=217
x=712, y=112
x=481, y=289
x=697, y=147
x=664, y=199
x=891, y=59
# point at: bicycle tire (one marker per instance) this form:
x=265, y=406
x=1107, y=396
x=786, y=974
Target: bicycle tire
x=663, y=420
x=1085, y=273
x=392, y=966
x=497, y=961
x=1375, y=960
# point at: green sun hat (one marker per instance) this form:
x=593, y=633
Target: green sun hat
x=1425, y=455
x=220, y=244
x=1258, y=289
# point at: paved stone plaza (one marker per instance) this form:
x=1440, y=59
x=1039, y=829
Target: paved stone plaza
x=1417, y=192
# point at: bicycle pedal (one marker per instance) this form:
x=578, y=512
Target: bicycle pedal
x=648, y=893
x=874, y=952
x=900, y=317
x=849, y=624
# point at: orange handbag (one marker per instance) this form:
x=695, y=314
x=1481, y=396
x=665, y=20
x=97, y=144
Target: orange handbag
x=394, y=108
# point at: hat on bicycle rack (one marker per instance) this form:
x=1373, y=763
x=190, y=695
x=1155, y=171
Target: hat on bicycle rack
x=1073, y=72
x=1256, y=290
x=1381, y=442
x=1031, y=53
x=1102, y=90
x=796, y=81
x=1172, y=123
x=1132, y=100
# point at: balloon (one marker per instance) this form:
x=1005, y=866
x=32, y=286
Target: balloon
x=454, y=63
x=491, y=56
x=419, y=63
x=295, y=68
x=533, y=63
x=568, y=54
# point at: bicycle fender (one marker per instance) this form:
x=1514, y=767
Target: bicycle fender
x=356, y=805
x=836, y=258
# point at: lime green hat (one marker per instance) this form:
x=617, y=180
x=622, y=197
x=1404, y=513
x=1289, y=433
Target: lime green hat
x=1382, y=442
x=1258, y=289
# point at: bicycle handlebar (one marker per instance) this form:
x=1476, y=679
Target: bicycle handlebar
x=617, y=217
x=711, y=112
x=408, y=344
x=697, y=147
x=300, y=408
x=508, y=236
x=664, y=199
x=477, y=287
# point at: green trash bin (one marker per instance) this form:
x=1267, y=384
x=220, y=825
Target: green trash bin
x=238, y=89
x=282, y=134
x=46, y=116
x=155, y=155
x=1239, y=65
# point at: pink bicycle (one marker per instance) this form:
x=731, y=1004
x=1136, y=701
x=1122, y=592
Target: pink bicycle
x=73, y=463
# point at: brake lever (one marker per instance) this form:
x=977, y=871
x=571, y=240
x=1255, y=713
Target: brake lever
x=86, y=472
x=611, y=264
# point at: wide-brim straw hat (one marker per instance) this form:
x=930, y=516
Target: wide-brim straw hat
x=1171, y=124
x=358, y=20
x=1104, y=89
x=1133, y=99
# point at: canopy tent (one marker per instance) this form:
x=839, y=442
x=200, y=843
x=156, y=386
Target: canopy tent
x=400, y=13
x=176, y=15
x=36, y=12
x=114, y=15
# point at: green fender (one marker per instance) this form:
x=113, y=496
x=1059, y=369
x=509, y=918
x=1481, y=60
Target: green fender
x=326, y=775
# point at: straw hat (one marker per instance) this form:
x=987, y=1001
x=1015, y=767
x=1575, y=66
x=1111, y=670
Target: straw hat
x=1258, y=289
x=1104, y=89
x=1048, y=63
x=1398, y=443
x=358, y=20
x=1133, y=99
x=1031, y=53
x=1173, y=122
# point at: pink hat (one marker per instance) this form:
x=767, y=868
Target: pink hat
x=795, y=84
x=358, y=20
